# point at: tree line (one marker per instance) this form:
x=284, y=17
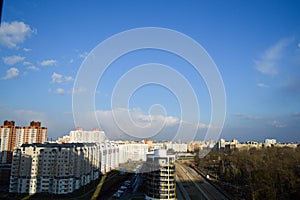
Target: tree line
x=267, y=173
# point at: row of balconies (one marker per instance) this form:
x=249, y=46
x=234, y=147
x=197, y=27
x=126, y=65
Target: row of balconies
x=165, y=174
x=162, y=194
x=161, y=178
x=162, y=189
x=161, y=184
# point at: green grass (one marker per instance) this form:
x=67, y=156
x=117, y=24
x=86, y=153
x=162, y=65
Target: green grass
x=98, y=189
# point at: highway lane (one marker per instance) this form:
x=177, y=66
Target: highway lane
x=187, y=187
x=196, y=184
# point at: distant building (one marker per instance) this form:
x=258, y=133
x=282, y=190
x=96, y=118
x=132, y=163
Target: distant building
x=148, y=141
x=80, y=135
x=226, y=145
x=270, y=141
x=221, y=144
x=195, y=146
x=12, y=136
x=286, y=145
x=161, y=183
x=64, y=139
x=157, y=145
x=177, y=147
x=133, y=152
x=236, y=145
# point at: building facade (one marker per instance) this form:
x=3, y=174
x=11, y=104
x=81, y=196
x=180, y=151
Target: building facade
x=54, y=168
x=60, y=168
x=161, y=183
x=12, y=136
x=109, y=156
x=132, y=152
x=93, y=136
x=177, y=147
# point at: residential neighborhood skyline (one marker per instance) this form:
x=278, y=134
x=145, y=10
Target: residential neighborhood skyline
x=255, y=46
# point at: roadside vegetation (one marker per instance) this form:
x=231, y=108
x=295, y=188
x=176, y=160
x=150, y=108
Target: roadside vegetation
x=267, y=173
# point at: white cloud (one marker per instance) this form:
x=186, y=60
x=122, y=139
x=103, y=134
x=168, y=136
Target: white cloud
x=34, y=68
x=11, y=73
x=57, y=126
x=11, y=60
x=277, y=124
x=48, y=63
x=268, y=62
x=262, y=85
x=26, y=63
x=299, y=45
x=83, y=55
x=59, y=78
x=27, y=49
x=60, y=91
x=296, y=114
x=21, y=117
x=68, y=78
x=14, y=33
x=119, y=123
x=79, y=90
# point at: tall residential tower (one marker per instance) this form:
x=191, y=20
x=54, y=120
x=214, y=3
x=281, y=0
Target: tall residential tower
x=12, y=136
x=161, y=182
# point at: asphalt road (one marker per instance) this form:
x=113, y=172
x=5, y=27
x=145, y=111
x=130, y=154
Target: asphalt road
x=195, y=186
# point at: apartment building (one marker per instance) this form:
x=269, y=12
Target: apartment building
x=132, y=151
x=12, y=136
x=109, y=156
x=80, y=135
x=54, y=168
x=177, y=147
x=60, y=168
x=161, y=183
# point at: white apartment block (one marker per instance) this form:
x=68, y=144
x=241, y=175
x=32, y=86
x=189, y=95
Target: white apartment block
x=80, y=135
x=109, y=156
x=133, y=152
x=177, y=147
x=60, y=168
x=270, y=141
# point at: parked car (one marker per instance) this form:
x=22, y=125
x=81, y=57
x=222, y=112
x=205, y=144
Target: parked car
x=117, y=195
x=123, y=188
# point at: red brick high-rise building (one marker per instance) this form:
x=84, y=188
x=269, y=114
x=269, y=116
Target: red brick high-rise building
x=12, y=136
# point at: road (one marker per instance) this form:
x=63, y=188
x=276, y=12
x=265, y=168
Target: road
x=132, y=192
x=193, y=186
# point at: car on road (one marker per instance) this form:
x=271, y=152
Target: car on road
x=123, y=188
x=117, y=195
x=127, y=183
x=120, y=192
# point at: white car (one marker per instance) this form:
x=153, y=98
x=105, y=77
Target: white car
x=117, y=195
x=123, y=188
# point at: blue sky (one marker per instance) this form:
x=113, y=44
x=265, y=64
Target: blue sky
x=255, y=44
